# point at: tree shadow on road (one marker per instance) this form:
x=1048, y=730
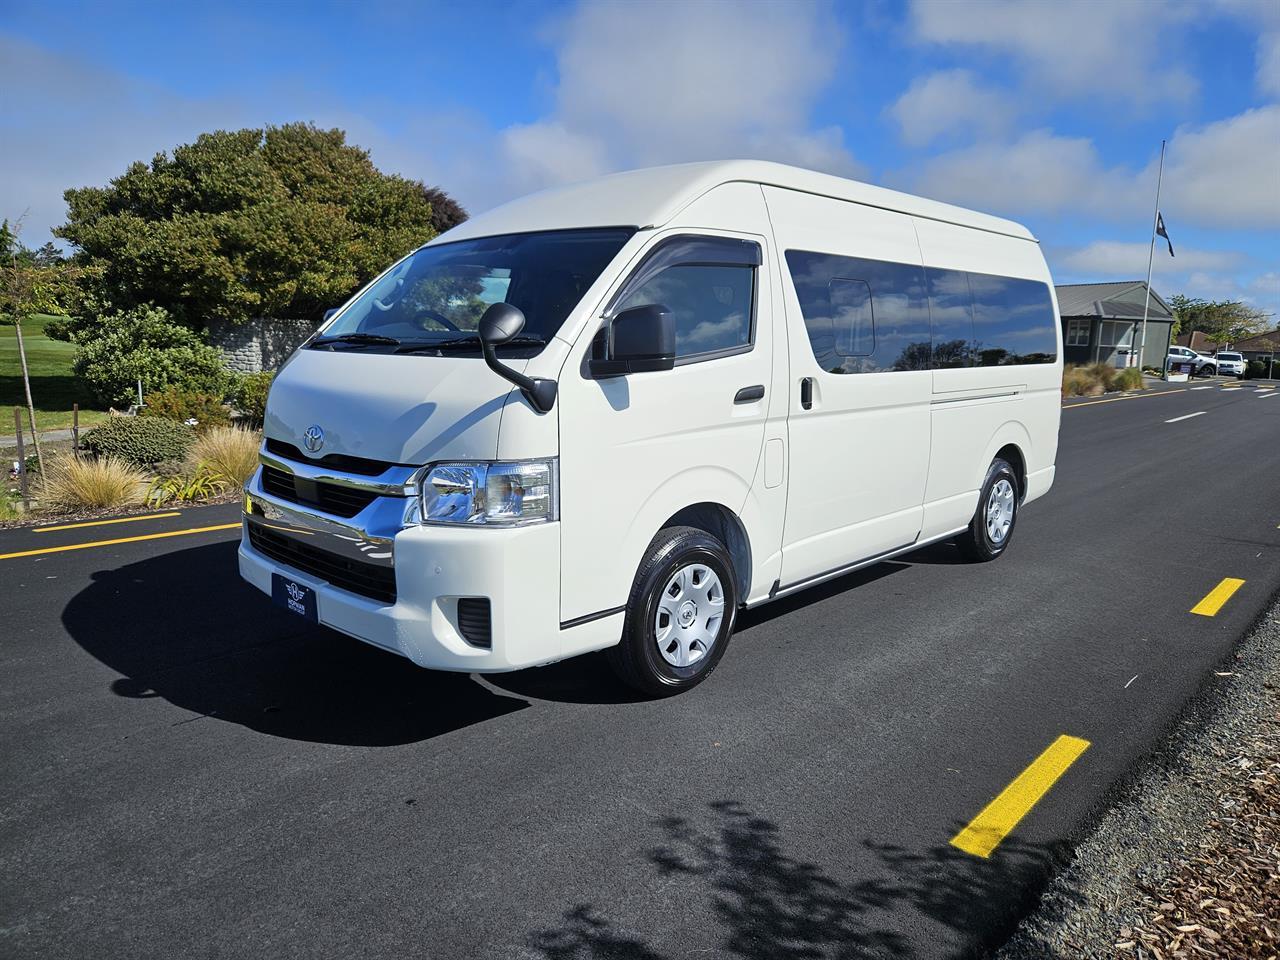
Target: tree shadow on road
x=185, y=627
x=768, y=904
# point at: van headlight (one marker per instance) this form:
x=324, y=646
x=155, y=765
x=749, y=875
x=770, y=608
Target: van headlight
x=505, y=493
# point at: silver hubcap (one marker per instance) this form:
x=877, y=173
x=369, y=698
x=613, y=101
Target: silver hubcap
x=1000, y=510
x=689, y=614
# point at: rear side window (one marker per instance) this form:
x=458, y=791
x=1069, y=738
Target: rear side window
x=862, y=316
x=951, y=313
x=708, y=284
x=1013, y=321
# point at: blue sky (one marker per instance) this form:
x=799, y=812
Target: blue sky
x=1049, y=113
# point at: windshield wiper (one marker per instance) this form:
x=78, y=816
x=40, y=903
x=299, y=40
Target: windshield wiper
x=471, y=340
x=356, y=338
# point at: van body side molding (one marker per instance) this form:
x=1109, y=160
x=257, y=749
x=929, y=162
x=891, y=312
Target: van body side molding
x=587, y=618
x=856, y=565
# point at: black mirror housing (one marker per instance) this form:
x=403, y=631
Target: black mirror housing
x=639, y=340
x=498, y=324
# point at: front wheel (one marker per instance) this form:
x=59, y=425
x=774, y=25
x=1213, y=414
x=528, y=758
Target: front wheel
x=680, y=613
x=991, y=529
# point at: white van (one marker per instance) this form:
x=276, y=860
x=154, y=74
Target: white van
x=614, y=414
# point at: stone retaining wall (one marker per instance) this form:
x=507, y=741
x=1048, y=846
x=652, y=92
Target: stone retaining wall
x=259, y=344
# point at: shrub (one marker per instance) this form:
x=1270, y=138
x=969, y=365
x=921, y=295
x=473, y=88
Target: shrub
x=1256, y=370
x=202, y=485
x=73, y=483
x=229, y=452
x=1105, y=374
x=174, y=403
x=251, y=395
x=1129, y=379
x=141, y=441
x=119, y=349
x=1080, y=382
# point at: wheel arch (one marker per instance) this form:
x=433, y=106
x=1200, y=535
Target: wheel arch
x=722, y=523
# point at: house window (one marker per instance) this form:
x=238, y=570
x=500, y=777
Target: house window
x=1078, y=333
x=1116, y=334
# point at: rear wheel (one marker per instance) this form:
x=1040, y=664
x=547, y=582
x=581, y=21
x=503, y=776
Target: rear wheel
x=992, y=526
x=680, y=613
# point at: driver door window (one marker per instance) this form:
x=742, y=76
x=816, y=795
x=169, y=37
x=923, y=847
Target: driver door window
x=712, y=299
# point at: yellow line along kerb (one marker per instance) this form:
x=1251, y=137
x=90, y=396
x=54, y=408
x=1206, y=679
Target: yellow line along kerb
x=1001, y=815
x=103, y=523
x=1216, y=598
x=108, y=543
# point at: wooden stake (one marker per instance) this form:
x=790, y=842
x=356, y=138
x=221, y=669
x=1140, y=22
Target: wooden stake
x=75, y=429
x=22, y=459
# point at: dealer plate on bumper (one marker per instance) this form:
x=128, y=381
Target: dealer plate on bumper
x=294, y=597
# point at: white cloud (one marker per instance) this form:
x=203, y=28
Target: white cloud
x=947, y=102
x=1071, y=48
x=662, y=83
x=1223, y=174
x=1110, y=258
x=1227, y=173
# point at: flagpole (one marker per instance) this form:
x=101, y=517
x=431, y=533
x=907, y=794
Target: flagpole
x=1151, y=253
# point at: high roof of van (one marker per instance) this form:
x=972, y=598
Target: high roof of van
x=653, y=196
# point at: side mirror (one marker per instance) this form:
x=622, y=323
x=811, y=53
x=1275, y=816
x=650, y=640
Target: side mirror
x=498, y=324
x=638, y=340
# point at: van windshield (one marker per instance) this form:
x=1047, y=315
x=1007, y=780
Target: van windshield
x=1228, y=356
x=435, y=296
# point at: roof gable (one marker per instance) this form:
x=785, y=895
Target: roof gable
x=1121, y=300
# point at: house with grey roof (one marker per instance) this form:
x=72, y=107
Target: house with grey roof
x=1102, y=323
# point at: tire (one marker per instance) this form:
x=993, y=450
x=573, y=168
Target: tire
x=984, y=540
x=670, y=647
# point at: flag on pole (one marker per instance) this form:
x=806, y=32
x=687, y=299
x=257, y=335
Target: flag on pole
x=1161, y=232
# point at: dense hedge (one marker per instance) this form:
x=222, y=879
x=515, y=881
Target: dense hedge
x=174, y=403
x=251, y=395
x=142, y=441
x=119, y=349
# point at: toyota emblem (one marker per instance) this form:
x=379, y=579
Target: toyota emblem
x=313, y=438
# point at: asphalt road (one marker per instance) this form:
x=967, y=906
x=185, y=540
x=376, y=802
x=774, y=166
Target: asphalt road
x=186, y=771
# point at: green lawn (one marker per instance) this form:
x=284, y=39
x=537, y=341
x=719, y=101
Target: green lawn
x=53, y=387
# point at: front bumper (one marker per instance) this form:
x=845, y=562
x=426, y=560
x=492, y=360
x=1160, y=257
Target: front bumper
x=516, y=569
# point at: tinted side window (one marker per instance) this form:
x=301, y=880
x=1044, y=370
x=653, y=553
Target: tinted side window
x=951, y=314
x=862, y=316
x=711, y=305
x=1014, y=321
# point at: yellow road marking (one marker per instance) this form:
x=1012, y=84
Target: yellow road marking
x=1217, y=597
x=103, y=523
x=108, y=543
x=1134, y=396
x=1001, y=815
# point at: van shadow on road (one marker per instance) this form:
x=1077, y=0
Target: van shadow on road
x=185, y=627
x=768, y=904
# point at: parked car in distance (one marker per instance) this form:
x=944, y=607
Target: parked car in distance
x=1231, y=363
x=1201, y=365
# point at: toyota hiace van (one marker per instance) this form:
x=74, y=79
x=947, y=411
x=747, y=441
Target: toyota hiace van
x=613, y=415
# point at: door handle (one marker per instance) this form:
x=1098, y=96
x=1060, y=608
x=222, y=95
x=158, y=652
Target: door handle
x=806, y=393
x=749, y=394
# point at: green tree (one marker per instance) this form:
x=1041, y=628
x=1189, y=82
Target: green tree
x=275, y=222
x=1221, y=321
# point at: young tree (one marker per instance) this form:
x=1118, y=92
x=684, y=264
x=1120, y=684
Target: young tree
x=275, y=222
x=28, y=286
